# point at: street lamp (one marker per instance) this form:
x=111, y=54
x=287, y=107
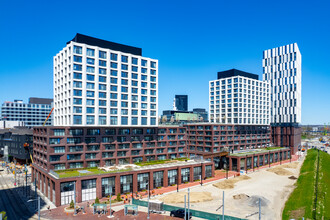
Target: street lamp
x=148, y=199
x=38, y=205
x=110, y=214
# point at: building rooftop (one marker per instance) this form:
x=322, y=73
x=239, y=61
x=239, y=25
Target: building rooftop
x=84, y=39
x=243, y=153
x=235, y=72
x=126, y=168
x=44, y=101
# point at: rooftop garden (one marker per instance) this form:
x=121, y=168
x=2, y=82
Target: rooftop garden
x=257, y=151
x=156, y=162
x=86, y=172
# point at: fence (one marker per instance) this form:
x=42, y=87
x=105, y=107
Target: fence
x=196, y=213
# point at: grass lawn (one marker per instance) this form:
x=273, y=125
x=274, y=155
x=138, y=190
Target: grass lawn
x=301, y=201
x=92, y=171
x=257, y=151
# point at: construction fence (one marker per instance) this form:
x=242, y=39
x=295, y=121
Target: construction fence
x=195, y=213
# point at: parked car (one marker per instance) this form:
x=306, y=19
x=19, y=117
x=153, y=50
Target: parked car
x=180, y=213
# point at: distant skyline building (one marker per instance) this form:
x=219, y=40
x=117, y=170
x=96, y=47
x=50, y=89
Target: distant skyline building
x=238, y=97
x=30, y=114
x=98, y=82
x=180, y=103
x=282, y=70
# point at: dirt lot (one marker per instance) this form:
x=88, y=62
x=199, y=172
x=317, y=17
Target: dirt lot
x=242, y=194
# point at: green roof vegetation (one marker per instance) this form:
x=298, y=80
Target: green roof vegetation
x=155, y=162
x=257, y=151
x=301, y=201
x=91, y=171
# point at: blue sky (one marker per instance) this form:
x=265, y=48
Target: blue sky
x=192, y=40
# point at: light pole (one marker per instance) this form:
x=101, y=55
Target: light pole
x=188, y=204
x=38, y=205
x=148, y=199
x=110, y=214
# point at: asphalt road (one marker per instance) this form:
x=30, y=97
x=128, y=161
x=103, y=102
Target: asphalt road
x=10, y=201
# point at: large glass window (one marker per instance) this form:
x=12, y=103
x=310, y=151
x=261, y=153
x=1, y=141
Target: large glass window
x=88, y=189
x=172, y=177
x=158, y=179
x=108, y=186
x=77, y=50
x=126, y=184
x=90, y=119
x=90, y=52
x=143, y=179
x=185, y=175
x=197, y=173
x=67, y=193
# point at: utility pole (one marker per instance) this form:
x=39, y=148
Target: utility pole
x=110, y=214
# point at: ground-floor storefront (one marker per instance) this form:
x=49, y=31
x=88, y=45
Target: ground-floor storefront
x=253, y=159
x=61, y=190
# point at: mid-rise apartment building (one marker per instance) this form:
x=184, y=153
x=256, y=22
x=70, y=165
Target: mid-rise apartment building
x=33, y=113
x=101, y=83
x=238, y=97
x=180, y=103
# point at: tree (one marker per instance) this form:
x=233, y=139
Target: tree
x=97, y=201
x=71, y=204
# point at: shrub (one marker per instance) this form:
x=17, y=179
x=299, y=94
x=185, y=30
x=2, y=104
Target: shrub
x=71, y=204
x=118, y=197
x=97, y=201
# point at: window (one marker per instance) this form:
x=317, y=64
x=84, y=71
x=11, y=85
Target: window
x=103, y=54
x=113, y=120
x=77, y=67
x=77, y=109
x=77, y=59
x=144, y=62
x=113, y=95
x=90, y=119
x=134, y=120
x=124, y=59
x=134, y=61
x=143, y=70
x=89, y=110
x=102, y=95
x=89, y=93
x=77, y=92
x=153, y=72
x=124, y=120
x=134, y=76
x=113, y=72
x=90, y=61
x=60, y=149
x=113, y=111
x=113, y=103
x=144, y=121
x=113, y=56
x=124, y=82
x=102, y=102
x=153, y=64
x=77, y=119
x=102, y=79
x=113, y=88
x=124, y=67
x=114, y=65
x=102, y=120
x=102, y=63
x=77, y=50
x=102, y=71
x=89, y=85
x=102, y=87
x=124, y=74
x=90, y=52
x=77, y=75
x=90, y=102
x=77, y=101
x=90, y=69
x=134, y=68
x=113, y=80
